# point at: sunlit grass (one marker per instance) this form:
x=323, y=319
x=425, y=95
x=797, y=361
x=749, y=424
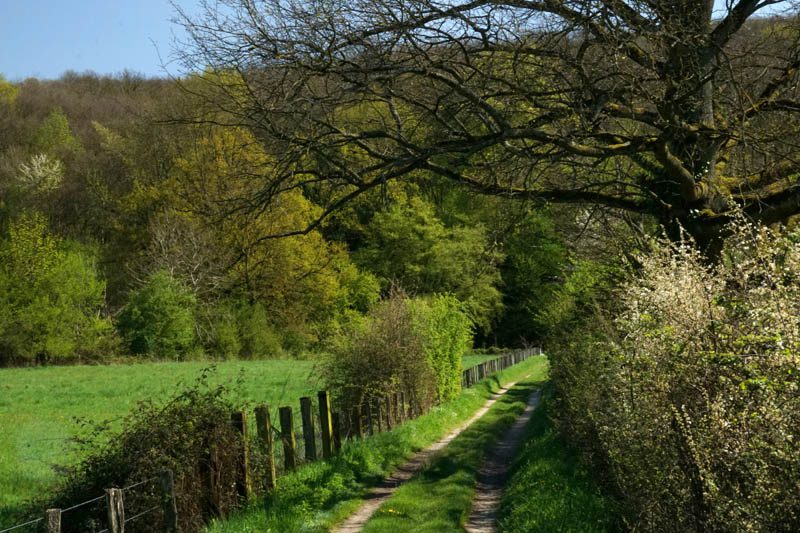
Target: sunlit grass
x=39, y=407
x=550, y=490
x=321, y=494
x=440, y=499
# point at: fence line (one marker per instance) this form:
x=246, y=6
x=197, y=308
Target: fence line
x=330, y=426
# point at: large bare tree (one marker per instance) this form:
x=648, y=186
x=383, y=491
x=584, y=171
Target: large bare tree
x=660, y=107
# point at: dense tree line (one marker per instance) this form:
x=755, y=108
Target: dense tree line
x=136, y=234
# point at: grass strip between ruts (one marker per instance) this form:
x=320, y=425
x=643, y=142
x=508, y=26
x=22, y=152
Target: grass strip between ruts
x=440, y=498
x=323, y=493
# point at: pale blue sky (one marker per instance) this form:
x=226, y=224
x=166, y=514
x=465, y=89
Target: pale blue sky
x=44, y=38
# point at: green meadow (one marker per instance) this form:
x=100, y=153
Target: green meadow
x=41, y=409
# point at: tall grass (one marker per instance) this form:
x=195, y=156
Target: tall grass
x=550, y=490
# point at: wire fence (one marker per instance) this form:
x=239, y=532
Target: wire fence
x=276, y=449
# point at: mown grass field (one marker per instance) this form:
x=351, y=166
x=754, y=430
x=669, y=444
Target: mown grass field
x=39, y=407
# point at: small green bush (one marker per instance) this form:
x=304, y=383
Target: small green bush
x=239, y=330
x=51, y=297
x=190, y=434
x=258, y=337
x=405, y=344
x=447, y=335
x=222, y=338
x=159, y=317
x=383, y=354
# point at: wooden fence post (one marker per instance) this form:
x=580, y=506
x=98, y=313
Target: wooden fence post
x=398, y=411
x=337, y=432
x=308, y=428
x=244, y=486
x=167, y=480
x=52, y=518
x=326, y=423
x=287, y=438
x=264, y=428
x=116, y=511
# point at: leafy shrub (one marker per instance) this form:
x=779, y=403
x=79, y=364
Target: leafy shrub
x=191, y=435
x=446, y=331
x=240, y=330
x=222, y=338
x=383, y=354
x=259, y=339
x=159, y=317
x=689, y=395
x=50, y=297
x=405, y=344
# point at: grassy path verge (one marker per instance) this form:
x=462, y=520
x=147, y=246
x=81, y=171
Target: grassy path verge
x=321, y=494
x=440, y=498
x=549, y=490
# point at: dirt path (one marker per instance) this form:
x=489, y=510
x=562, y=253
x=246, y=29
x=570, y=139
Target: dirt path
x=493, y=474
x=417, y=463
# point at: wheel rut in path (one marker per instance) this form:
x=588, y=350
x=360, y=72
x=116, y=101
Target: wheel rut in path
x=382, y=492
x=493, y=475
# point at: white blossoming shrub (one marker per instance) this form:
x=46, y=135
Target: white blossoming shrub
x=42, y=174
x=689, y=397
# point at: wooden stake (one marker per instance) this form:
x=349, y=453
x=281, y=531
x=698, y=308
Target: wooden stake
x=355, y=423
x=264, y=428
x=326, y=423
x=167, y=480
x=396, y=411
x=388, y=406
x=367, y=407
x=379, y=413
x=337, y=431
x=116, y=511
x=52, y=518
x=244, y=485
x=308, y=429
x=287, y=438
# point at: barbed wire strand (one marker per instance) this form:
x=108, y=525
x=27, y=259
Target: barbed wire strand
x=140, y=483
x=82, y=504
x=134, y=517
x=12, y=528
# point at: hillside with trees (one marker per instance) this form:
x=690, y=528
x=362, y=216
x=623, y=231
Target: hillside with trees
x=378, y=185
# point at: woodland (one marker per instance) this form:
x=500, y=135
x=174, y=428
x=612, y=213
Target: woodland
x=614, y=179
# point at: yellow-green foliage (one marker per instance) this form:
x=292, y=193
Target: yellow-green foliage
x=8, y=92
x=304, y=281
x=405, y=344
x=447, y=333
x=50, y=296
x=54, y=134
